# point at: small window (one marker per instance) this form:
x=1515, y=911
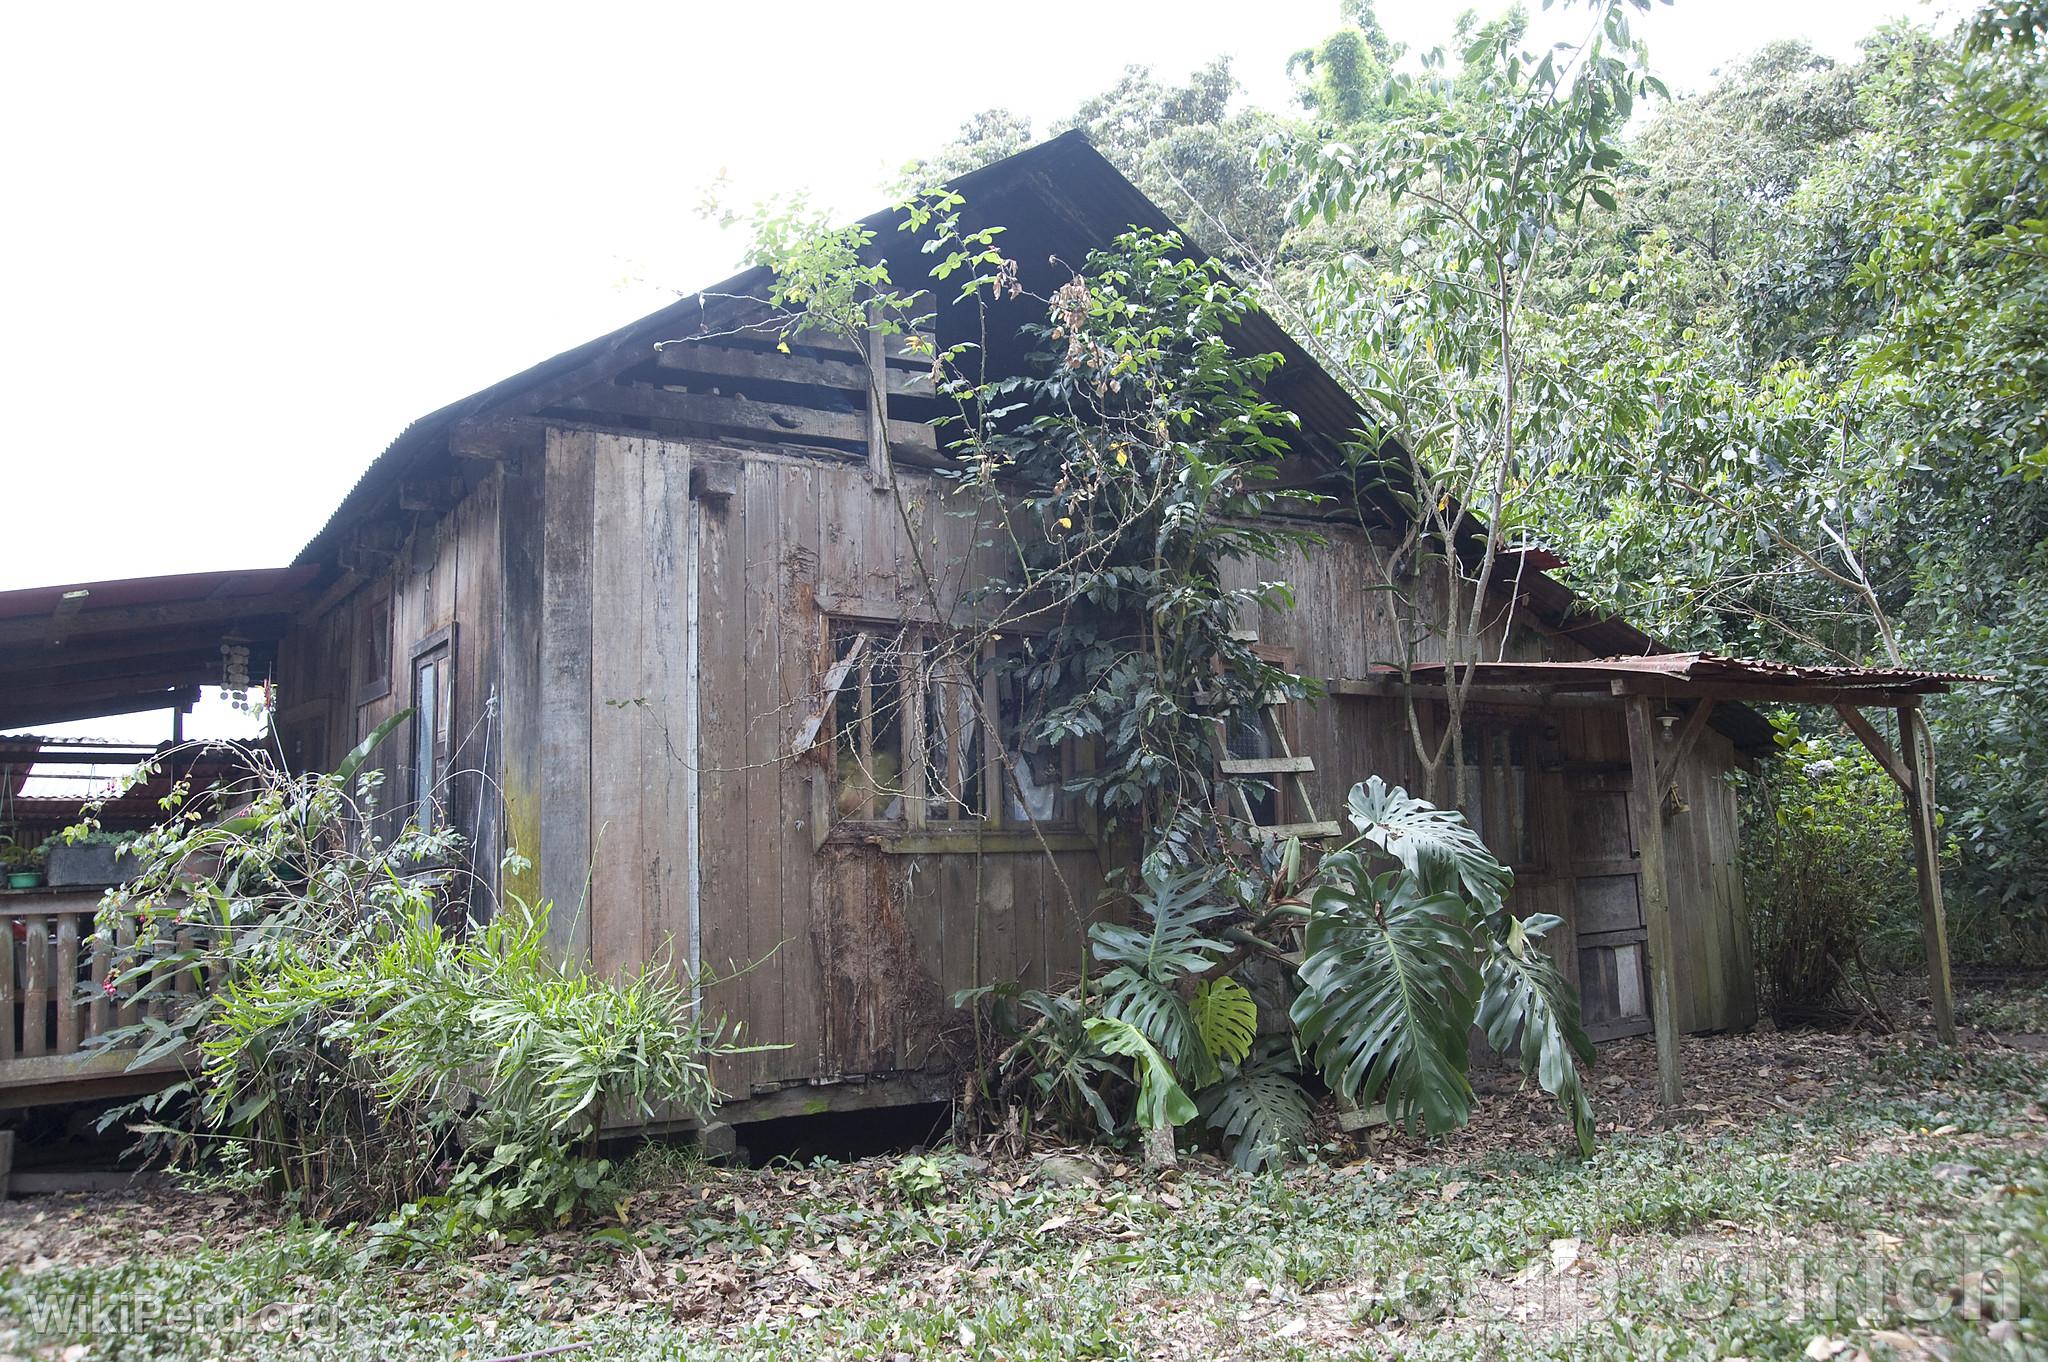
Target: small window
x=1034, y=773
x=868, y=723
x=373, y=652
x=907, y=708
x=433, y=722
x=953, y=775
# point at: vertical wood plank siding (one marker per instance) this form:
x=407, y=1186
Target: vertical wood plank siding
x=567, y=577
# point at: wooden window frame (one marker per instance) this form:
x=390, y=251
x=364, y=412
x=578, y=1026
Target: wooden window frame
x=376, y=683
x=437, y=648
x=849, y=676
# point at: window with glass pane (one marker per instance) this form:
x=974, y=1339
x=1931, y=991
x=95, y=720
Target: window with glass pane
x=952, y=735
x=1034, y=774
x=868, y=723
x=433, y=726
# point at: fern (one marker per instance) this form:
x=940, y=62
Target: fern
x=1225, y=1017
x=1260, y=1108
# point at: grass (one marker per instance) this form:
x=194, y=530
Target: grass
x=1710, y=1242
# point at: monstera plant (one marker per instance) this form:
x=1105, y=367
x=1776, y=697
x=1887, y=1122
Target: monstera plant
x=1395, y=947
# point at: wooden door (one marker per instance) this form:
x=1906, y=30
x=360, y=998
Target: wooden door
x=1607, y=903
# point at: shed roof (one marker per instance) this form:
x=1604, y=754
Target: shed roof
x=116, y=647
x=1679, y=676
x=1057, y=200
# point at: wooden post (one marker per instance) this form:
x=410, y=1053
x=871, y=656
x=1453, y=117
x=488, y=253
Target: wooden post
x=1647, y=800
x=1919, y=761
x=880, y=471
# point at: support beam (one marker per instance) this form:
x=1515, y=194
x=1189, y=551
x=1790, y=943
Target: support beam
x=1695, y=724
x=1647, y=802
x=1919, y=754
x=1879, y=748
x=879, y=471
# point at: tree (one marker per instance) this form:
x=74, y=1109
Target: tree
x=1484, y=172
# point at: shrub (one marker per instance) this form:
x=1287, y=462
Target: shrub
x=1828, y=876
x=358, y=1055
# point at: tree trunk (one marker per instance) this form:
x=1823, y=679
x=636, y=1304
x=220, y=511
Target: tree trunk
x=1158, y=1148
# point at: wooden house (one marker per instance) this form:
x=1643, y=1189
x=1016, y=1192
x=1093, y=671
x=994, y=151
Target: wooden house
x=652, y=600
x=616, y=588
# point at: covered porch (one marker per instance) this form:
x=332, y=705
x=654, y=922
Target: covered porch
x=84, y=670
x=1666, y=702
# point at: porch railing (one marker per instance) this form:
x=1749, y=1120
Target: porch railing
x=58, y=985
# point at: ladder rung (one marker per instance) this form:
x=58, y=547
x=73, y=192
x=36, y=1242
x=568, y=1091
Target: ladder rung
x=1265, y=766
x=1280, y=830
x=1272, y=699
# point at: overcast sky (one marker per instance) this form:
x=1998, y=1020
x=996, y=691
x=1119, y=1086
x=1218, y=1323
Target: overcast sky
x=246, y=244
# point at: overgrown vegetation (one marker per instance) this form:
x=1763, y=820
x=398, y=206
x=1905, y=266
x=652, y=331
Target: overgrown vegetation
x=1781, y=374
x=364, y=1052
x=1847, y=1223
x=1823, y=837
x=1126, y=475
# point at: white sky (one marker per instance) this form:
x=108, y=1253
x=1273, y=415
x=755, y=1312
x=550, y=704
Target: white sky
x=245, y=244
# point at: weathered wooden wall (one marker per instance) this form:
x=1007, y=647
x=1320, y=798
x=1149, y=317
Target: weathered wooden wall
x=443, y=572
x=640, y=737
x=850, y=950
x=1339, y=627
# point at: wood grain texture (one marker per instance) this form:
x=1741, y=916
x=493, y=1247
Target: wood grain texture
x=564, y=849
x=620, y=706
x=1649, y=824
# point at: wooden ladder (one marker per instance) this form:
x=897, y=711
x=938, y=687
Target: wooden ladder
x=1283, y=764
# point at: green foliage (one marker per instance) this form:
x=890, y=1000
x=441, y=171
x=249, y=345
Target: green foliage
x=1139, y=460
x=1814, y=323
x=918, y=1179
x=1400, y=963
x=1162, y=1104
x=1259, y=1107
x=1436, y=847
x=1527, y=1007
x=1827, y=877
x=1388, y=994
x=358, y=1056
x=1225, y=1017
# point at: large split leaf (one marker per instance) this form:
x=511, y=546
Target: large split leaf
x=1169, y=943
x=1162, y=1104
x=1260, y=1108
x=1226, y=1018
x=1527, y=1008
x=1388, y=993
x=1163, y=1017
x=1437, y=846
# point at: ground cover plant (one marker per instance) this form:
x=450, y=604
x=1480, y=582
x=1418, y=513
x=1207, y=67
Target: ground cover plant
x=1786, y=1209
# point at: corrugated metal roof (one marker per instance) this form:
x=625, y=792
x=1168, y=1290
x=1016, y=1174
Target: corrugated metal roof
x=1594, y=673
x=33, y=601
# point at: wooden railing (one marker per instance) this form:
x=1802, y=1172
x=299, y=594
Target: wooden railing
x=55, y=989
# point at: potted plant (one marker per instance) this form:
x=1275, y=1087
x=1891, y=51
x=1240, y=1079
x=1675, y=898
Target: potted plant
x=22, y=865
x=88, y=856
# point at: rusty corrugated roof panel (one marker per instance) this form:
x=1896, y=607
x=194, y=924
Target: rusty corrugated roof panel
x=1597, y=672
x=33, y=601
